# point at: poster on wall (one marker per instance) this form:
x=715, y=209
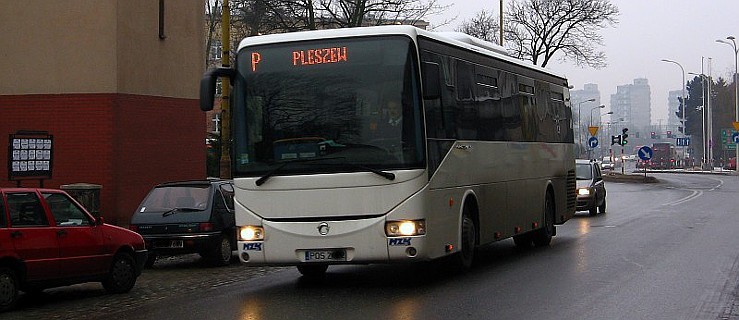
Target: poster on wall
x=30, y=155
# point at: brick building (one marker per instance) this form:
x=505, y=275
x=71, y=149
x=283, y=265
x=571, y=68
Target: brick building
x=115, y=83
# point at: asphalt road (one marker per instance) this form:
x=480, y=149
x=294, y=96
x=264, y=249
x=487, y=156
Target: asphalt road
x=665, y=250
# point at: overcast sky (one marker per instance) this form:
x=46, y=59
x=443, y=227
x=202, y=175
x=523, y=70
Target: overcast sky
x=647, y=32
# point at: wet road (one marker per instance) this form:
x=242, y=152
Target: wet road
x=662, y=251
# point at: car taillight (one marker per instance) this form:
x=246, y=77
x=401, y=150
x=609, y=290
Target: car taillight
x=206, y=226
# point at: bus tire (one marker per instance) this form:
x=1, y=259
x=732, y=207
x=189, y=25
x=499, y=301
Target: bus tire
x=466, y=255
x=543, y=236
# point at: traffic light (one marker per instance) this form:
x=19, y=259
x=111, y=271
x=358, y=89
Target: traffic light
x=654, y=135
x=616, y=140
x=669, y=134
x=624, y=135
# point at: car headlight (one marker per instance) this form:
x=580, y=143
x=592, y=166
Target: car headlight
x=405, y=228
x=583, y=191
x=251, y=233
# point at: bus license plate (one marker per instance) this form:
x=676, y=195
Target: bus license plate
x=324, y=255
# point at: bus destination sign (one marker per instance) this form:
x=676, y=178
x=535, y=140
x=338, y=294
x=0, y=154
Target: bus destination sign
x=309, y=57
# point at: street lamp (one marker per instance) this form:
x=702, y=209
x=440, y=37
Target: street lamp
x=602, y=132
x=591, y=113
x=683, y=102
x=736, y=86
x=579, y=119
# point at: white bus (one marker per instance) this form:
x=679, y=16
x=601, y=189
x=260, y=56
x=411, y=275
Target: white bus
x=326, y=172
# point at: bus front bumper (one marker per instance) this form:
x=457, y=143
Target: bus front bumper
x=331, y=242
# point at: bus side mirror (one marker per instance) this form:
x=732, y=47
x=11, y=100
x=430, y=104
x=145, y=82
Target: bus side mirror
x=431, y=83
x=208, y=86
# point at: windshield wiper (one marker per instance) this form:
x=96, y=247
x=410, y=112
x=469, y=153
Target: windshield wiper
x=177, y=210
x=269, y=174
x=272, y=172
x=384, y=174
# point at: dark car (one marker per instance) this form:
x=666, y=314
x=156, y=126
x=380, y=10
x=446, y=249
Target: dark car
x=47, y=239
x=591, y=189
x=188, y=217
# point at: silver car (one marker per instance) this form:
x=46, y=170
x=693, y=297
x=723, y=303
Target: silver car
x=591, y=189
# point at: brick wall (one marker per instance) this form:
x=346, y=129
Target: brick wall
x=126, y=143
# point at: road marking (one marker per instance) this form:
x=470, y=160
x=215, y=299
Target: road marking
x=693, y=195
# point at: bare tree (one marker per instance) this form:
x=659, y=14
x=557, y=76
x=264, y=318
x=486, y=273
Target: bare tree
x=484, y=26
x=213, y=16
x=356, y=13
x=254, y=17
x=536, y=30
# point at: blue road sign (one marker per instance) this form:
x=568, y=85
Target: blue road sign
x=593, y=142
x=682, y=142
x=645, y=153
x=735, y=137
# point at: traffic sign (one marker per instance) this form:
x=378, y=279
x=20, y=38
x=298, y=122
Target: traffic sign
x=736, y=125
x=735, y=137
x=593, y=130
x=682, y=142
x=645, y=153
x=593, y=142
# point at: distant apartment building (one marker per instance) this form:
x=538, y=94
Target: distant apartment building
x=579, y=100
x=631, y=106
x=114, y=83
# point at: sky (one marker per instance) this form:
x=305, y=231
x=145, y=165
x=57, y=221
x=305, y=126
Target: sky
x=647, y=32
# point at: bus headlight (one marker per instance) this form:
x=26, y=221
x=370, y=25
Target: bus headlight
x=405, y=228
x=251, y=233
x=583, y=191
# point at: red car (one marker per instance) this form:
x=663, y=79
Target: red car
x=47, y=239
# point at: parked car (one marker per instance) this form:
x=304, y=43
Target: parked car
x=591, y=189
x=47, y=239
x=188, y=217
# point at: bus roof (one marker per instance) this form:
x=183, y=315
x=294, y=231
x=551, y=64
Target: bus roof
x=452, y=38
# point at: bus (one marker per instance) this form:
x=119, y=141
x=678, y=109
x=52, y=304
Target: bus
x=664, y=156
x=483, y=150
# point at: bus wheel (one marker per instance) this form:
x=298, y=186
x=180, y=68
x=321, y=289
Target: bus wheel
x=313, y=271
x=466, y=254
x=543, y=236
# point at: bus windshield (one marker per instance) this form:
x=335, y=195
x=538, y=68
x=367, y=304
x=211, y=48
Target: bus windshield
x=325, y=106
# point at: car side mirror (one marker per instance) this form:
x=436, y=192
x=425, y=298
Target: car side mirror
x=99, y=221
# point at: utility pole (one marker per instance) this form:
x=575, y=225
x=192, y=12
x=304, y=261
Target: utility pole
x=501, y=23
x=225, y=163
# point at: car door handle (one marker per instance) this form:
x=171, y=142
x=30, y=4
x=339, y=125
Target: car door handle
x=60, y=233
x=16, y=234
